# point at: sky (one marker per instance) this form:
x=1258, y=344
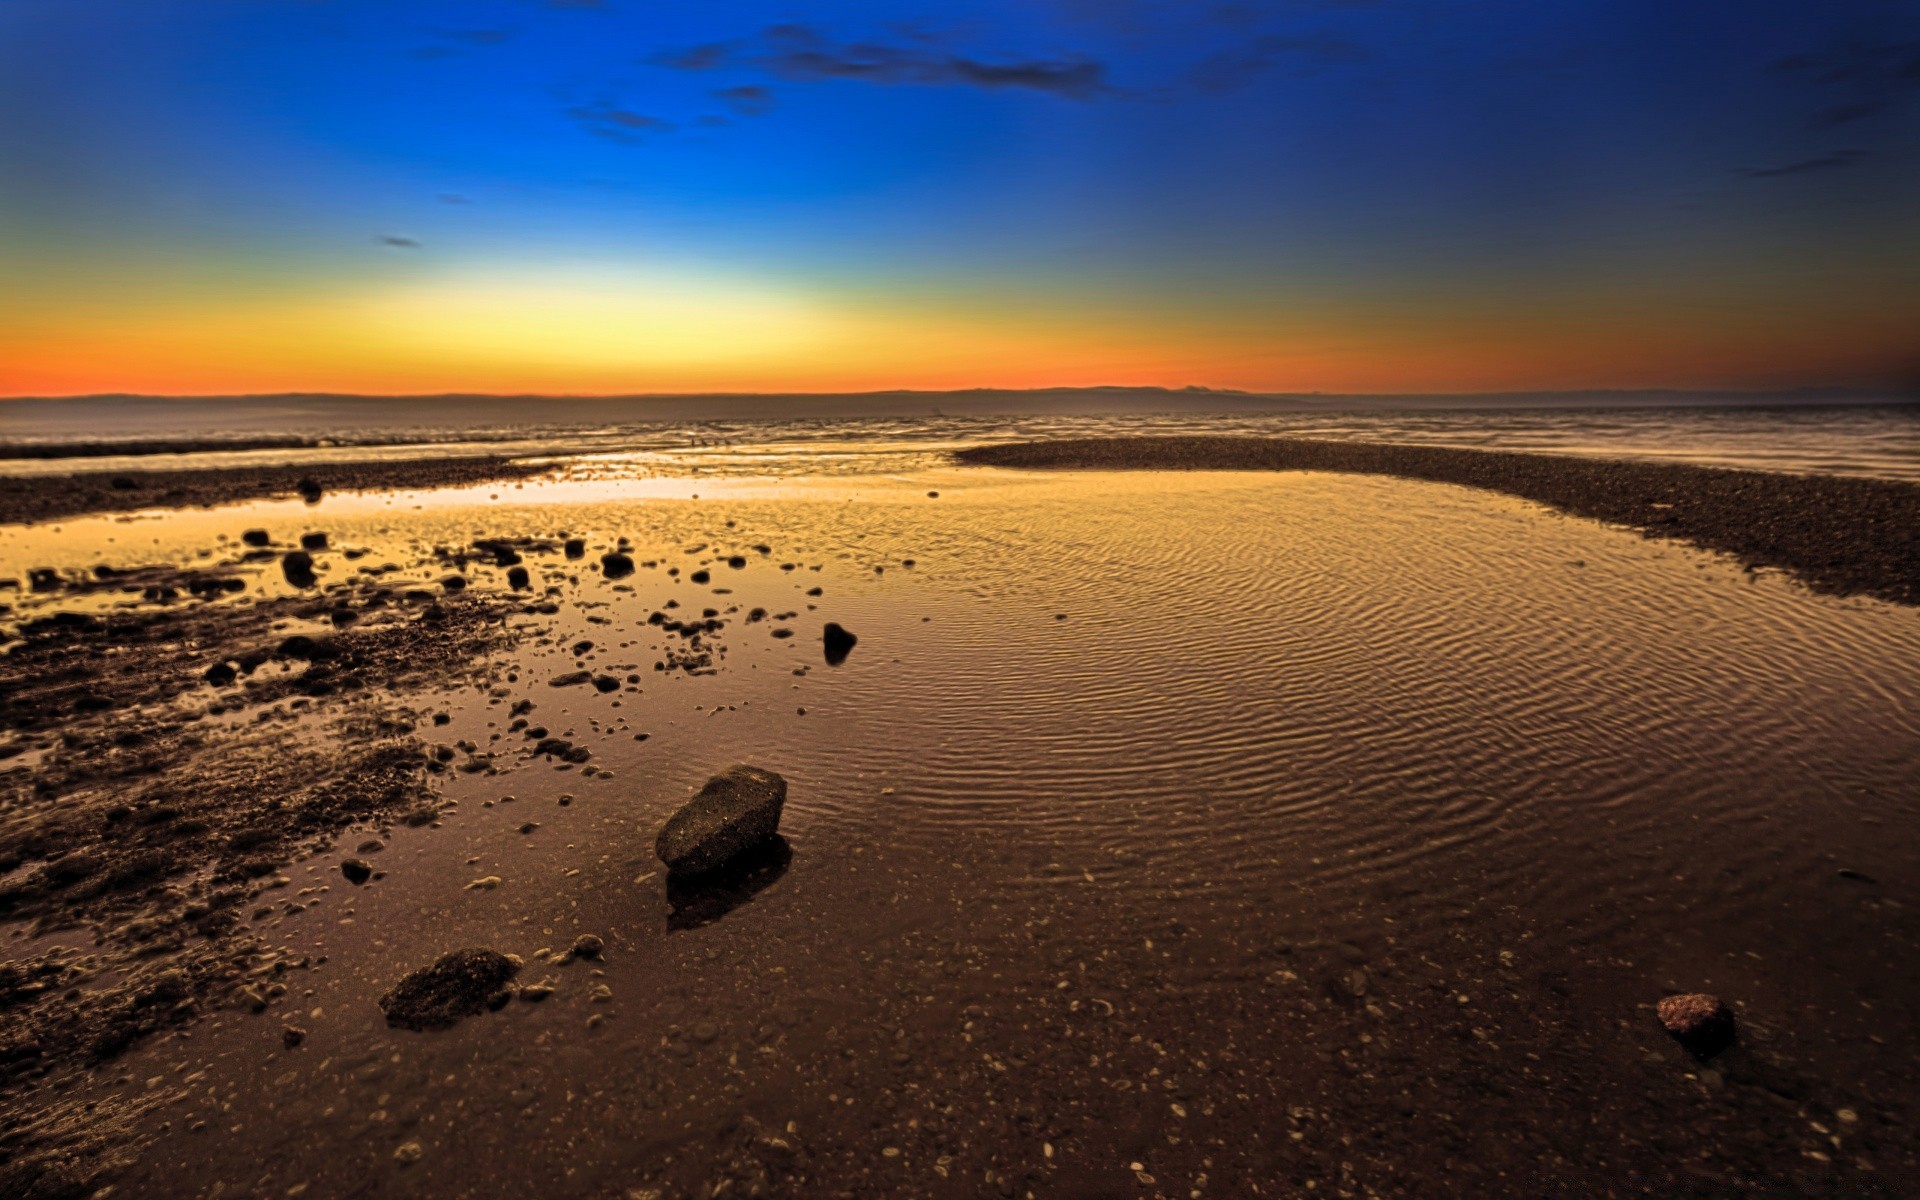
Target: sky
x=627, y=196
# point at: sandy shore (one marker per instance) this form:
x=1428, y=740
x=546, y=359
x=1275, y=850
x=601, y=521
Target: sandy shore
x=1332, y=838
x=1839, y=536
x=50, y=498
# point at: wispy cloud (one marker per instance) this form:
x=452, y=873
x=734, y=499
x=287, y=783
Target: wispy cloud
x=1825, y=162
x=448, y=42
x=749, y=100
x=1856, y=83
x=801, y=54
x=617, y=124
x=398, y=242
x=1230, y=70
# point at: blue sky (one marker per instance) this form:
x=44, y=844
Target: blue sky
x=1243, y=180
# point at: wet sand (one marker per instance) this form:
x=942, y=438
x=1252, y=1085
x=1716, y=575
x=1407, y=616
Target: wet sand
x=1842, y=536
x=51, y=497
x=1306, y=835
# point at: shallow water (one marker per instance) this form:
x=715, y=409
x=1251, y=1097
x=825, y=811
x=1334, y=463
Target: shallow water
x=1127, y=777
x=1881, y=441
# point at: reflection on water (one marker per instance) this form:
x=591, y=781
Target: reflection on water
x=698, y=900
x=1414, y=798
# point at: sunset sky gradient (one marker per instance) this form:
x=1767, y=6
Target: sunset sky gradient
x=586, y=196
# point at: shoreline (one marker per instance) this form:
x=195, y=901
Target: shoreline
x=1842, y=536
x=29, y=499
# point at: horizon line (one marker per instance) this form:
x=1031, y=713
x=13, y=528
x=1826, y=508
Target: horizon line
x=1887, y=391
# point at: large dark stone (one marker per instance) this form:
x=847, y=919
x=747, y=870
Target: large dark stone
x=297, y=565
x=1700, y=1022
x=457, y=985
x=738, y=810
x=838, y=643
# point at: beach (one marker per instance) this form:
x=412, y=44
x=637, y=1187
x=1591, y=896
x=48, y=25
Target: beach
x=1218, y=817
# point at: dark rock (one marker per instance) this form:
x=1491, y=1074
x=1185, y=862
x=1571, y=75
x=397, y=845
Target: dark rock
x=357, y=870
x=454, y=583
x=220, y=674
x=588, y=945
x=737, y=561
x=1700, y=1022
x=255, y=537
x=563, y=749
x=517, y=579
x=737, y=810
x=700, y=576
x=616, y=565
x=457, y=985
x=313, y=541
x=309, y=491
x=303, y=647
x=570, y=679
x=839, y=643
x=297, y=565
x=576, y=547
x=606, y=683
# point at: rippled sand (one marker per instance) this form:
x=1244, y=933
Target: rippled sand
x=1165, y=834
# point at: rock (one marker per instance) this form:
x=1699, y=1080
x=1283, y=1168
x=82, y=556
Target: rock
x=407, y=1153
x=255, y=537
x=220, y=674
x=616, y=565
x=357, y=870
x=576, y=547
x=518, y=579
x=606, y=683
x=839, y=643
x=457, y=985
x=1700, y=1022
x=313, y=541
x=533, y=993
x=292, y=1036
x=309, y=491
x=700, y=577
x=570, y=679
x=736, y=811
x=297, y=566
x=588, y=945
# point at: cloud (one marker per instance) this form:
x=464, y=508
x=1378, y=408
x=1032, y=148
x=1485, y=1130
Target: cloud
x=395, y=240
x=1230, y=70
x=801, y=54
x=1826, y=162
x=450, y=39
x=617, y=124
x=749, y=100
x=695, y=58
x=1856, y=83
x=1842, y=114
x=477, y=37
